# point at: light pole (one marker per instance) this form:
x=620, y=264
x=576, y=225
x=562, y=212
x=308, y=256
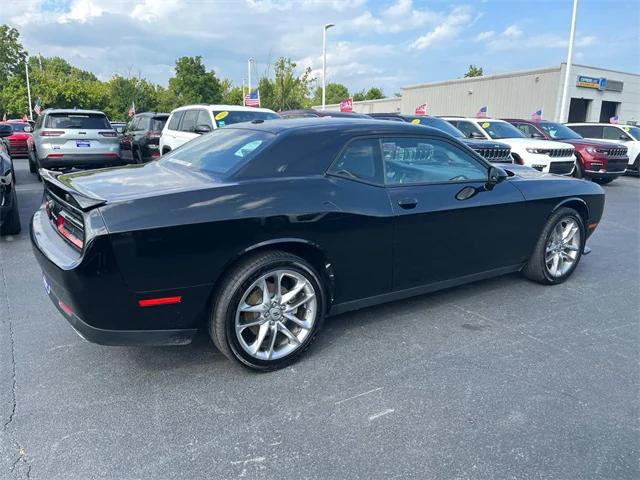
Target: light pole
x=26, y=66
x=567, y=72
x=324, y=62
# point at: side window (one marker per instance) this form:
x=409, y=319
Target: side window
x=143, y=123
x=360, y=160
x=133, y=126
x=175, y=120
x=614, y=133
x=189, y=121
x=525, y=128
x=466, y=127
x=588, y=131
x=204, y=119
x=428, y=160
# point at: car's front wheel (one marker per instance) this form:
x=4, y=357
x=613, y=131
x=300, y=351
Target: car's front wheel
x=559, y=248
x=268, y=310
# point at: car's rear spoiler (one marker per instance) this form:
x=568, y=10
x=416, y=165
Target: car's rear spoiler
x=84, y=200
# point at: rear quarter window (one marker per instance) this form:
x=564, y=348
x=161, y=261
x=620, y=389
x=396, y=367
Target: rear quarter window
x=175, y=120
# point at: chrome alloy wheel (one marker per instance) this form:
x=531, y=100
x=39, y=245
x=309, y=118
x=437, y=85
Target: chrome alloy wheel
x=276, y=314
x=563, y=246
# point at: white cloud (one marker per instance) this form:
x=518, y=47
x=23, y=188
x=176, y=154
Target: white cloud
x=484, y=36
x=512, y=31
x=446, y=30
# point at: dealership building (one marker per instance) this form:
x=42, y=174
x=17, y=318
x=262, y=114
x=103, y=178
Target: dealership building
x=595, y=94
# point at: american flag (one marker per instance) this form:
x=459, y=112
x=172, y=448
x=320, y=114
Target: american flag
x=482, y=113
x=613, y=119
x=132, y=109
x=38, y=108
x=252, y=99
x=346, y=105
x=537, y=115
x=421, y=109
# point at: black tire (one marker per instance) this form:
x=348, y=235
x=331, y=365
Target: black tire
x=11, y=224
x=603, y=181
x=536, y=268
x=32, y=163
x=138, y=157
x=221, y=324
x=578, y=172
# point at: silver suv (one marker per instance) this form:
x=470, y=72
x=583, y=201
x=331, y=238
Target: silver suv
x=70, y=138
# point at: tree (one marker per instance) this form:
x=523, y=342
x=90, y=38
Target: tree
x=374, y=93
x=336, y=92
x=473, y=71
x=287, y=90
x=231, y=95
x=193, y=84
x=12, y=54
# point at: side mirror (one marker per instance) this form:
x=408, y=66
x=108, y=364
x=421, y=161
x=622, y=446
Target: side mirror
x=6, y=131
x=623, y=137
x=476, y=135
x=200, y=129
x=496, y=175
x=537, y=135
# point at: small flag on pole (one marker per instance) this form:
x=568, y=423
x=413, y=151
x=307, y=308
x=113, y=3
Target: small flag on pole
x=537, y=115
x=252, y=99
x=4, y=117
x=132, y=109
x=613, y=119
x=38, y=107
x=483, y=112
x=421, y=109
x=346, y=105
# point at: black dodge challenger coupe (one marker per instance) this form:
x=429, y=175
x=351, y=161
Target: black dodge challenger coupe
x=259, y=230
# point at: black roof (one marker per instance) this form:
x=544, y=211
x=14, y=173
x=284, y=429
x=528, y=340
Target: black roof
x=152, y=114
x=359, y=126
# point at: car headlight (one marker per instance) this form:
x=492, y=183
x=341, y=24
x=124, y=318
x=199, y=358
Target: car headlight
x=592, y=150
x=7, y=179
x=538, y=151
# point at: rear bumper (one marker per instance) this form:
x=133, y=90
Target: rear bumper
x=81, y=161
x=90, y=293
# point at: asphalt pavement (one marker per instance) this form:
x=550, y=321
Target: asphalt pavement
x=501, y=379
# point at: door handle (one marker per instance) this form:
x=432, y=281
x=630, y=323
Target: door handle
x=408, y=203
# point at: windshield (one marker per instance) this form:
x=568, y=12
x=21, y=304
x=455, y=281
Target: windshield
x=220, y=151
x=633, y=131
x=89, y=121
x=440, y=125
x=18, y=127
x=227, y=117
x=557, y=131
x=498, y=130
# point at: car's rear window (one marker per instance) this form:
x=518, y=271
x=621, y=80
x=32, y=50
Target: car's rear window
x=220, y=151
x=157, y=123
x=228, y=117
x=76, y=121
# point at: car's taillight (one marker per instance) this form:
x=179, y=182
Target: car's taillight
x=70, y=230
x=51, y=133
x=153, y=134
x=108, y=134
x=55, y=155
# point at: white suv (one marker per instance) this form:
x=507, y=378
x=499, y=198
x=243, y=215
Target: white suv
x=186, y=123
x=543, y=155
x=627, y=135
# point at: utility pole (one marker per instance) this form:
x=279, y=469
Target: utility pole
x=26, y=66
x=324, y=63
x=562, y=117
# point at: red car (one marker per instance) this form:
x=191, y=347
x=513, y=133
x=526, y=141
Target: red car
x=19, y=140
x=598, y=160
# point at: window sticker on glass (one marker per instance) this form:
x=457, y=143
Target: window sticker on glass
x=626, y=129
x=221, y=115
x=248, y=148
x=486, y=125
x=416, y=121
x=221, y=123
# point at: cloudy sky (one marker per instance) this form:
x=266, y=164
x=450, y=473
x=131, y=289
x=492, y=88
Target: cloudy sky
x=385, y=43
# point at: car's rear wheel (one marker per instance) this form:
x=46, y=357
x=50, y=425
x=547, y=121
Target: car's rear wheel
x=137, y=156
x=559, y=248
x=32, y=163
x=11, y=224
x=268, y=310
